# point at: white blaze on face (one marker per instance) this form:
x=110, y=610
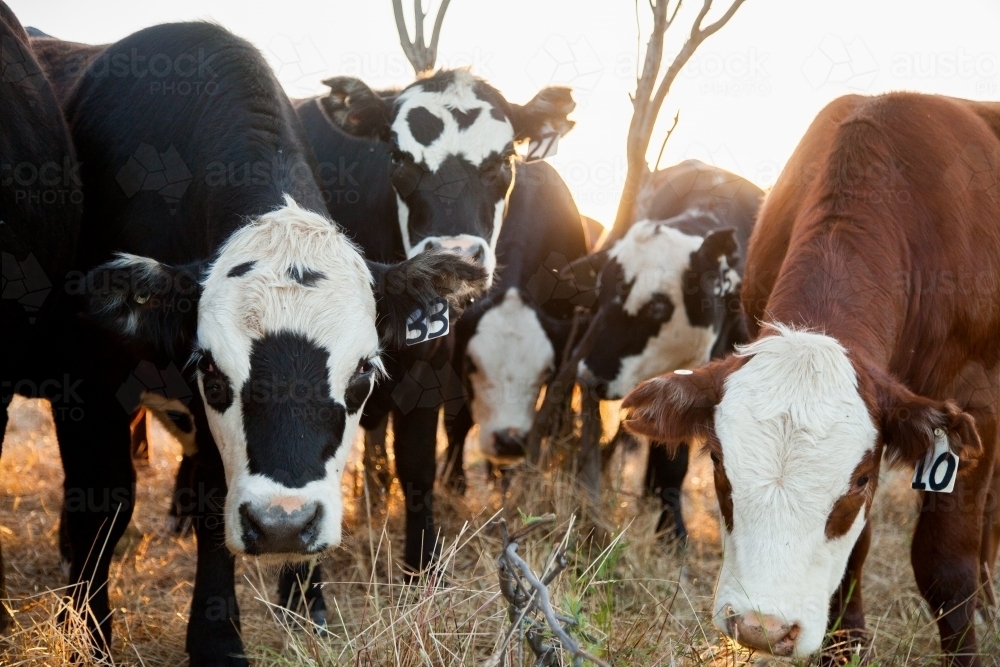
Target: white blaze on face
x=335, y=311
x=656, y=256
x=513, y=356
x=793, y=428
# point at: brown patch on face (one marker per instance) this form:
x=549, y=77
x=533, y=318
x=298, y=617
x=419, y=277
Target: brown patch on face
x=723, y=489
x=864, y=479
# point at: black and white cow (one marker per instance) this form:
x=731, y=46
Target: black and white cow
x=207, y=247
x=40, y=205
x=432, y=165
x=508, y=343
x=667, y=295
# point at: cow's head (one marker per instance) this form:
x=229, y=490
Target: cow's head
x=452, y=139
x=797, y=428
x=662, y=296
x=509, y=357
x=285, y=326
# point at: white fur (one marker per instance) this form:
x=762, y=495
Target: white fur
x=655, y=256
x=338, y=312
x=512, y=355
x=793, y=427
x=475, y=143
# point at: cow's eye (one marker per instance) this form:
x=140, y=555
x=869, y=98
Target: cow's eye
x=715, y=458
x=365, y=367
x=215, y=383
x=861, y=482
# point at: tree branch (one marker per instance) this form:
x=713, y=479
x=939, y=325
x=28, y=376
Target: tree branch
x=421, y=57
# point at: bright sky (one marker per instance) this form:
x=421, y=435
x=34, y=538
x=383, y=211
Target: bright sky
x=745, y=98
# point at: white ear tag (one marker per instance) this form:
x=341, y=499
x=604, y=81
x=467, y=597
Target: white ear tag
x=545, y=146
x=937, y=471
x=421, y=326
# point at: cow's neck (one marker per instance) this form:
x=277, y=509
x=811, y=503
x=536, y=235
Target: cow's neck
x=843, y=281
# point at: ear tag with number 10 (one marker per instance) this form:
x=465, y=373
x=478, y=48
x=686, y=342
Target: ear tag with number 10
x=938, y=470
x=421, y=326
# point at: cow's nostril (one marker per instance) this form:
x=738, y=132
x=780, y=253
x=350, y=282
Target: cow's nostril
x=275, y=530
x=509, y=443
x=762, y=632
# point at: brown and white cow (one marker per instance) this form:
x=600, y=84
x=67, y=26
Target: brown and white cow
x=872, y=289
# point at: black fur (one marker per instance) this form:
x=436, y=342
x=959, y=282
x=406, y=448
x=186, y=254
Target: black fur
x=40, y=206
x=240, y=269
x=292, y=425
x=425, y=126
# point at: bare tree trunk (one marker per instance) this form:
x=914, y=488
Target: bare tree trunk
x=648, y=100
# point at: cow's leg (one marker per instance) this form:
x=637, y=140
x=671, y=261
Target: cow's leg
x=213, y=633
x=99, y=492
x=847, y=614
x=990, y=541
x=181, y=510
x=664, y=477
x=454, y=471
x=945, y=556
x=4, y=616
x=299, y=591
x=414, y=443
x=378, y=477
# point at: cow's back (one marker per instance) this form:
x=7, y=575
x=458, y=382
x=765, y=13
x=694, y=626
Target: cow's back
x=912, y=180
x=173, y=163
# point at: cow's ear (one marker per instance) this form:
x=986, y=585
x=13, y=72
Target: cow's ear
x=546, y=113
x=678, y=406
x=909, y=423
x=718, y=244
x=400, y=289
x=356, y=109
x=148, y=304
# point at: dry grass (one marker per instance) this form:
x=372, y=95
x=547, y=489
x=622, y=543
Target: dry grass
x=638, y=602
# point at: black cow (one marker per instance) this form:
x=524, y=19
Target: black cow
x=508, y=344
x=205, y=248
x=668, y=296
x=41, y=198
x=429, y=166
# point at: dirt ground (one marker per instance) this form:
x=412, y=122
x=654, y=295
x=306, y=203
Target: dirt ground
x=637, y=600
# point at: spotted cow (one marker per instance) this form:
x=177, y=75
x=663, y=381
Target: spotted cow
x=430, y=166
x=667, y=297
x=872, y=290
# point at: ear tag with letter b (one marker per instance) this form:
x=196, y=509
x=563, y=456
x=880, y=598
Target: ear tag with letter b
x=937, y=471
x=421, y=326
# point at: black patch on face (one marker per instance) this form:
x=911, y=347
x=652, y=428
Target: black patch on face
x=218, y=389
x=465, y=119
x=707, y=294
x=240, y=269
x=305, y=277
x=623, y=335
x=490, y=95
x=458, y=198
x=424, y=126
x=292, y=424
x=359, y=387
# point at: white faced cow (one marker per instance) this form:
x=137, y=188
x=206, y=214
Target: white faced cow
x=866, y=349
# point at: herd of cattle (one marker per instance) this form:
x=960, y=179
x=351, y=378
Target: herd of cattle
x=148, y=227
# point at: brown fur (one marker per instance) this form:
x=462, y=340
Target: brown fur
x=883, y=231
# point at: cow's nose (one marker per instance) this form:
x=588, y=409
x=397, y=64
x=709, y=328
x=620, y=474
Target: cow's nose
x=762, y=632
x=509, y=443
x=274, y=530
